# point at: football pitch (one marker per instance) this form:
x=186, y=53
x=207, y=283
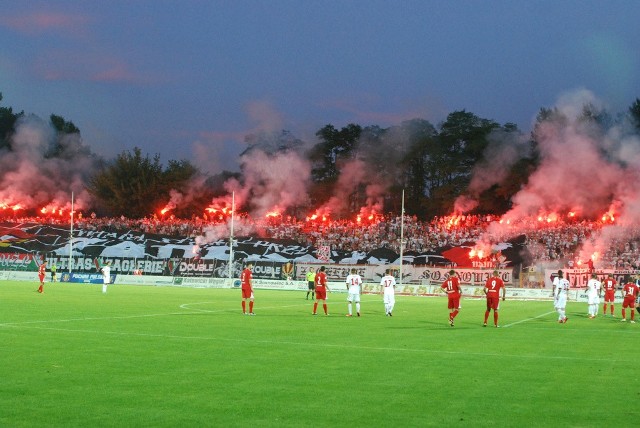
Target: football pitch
x=168, y=357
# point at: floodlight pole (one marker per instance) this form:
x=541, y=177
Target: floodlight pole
x=401, y=238
x=233, y=212
x=71, y=236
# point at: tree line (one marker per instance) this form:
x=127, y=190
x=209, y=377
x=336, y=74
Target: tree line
x=433, y=164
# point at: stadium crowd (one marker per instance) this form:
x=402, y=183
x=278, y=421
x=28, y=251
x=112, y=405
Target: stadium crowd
x=557, y=241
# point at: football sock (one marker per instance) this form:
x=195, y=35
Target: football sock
x=486, y=316
x=358, y=307
x=315, y=307
x=495, y=317
x=350, y=309
x=324, y=306
x=454, y=314
x=244, y=306
x=624, y=313
x=251, y=306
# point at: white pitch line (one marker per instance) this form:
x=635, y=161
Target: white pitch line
x=184, y=306
x=528, y=319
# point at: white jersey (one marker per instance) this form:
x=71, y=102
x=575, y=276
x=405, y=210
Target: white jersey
x=560, y=292
x=354, y=282
x=106, y=273
x=593, y=291
x=388, y=284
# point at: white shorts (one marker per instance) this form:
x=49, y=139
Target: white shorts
x=353, y=297
x=594, y=299
x=560, y=302
x=389, y=298
x=107, y=279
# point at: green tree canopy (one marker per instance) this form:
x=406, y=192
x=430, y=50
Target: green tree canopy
x=135, y=186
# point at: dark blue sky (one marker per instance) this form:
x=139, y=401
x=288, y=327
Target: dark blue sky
x=189, y=79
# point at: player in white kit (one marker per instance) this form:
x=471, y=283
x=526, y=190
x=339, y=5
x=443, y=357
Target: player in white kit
x=388, y=285
x=354, y=287
x=560, y=290
x=593, y=295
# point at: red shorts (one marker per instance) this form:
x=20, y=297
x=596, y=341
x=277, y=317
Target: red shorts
x=321, y=293
x=454, y=302
x=247, y=293
x=609, y=296
x=41, y=277
x=493, y=302
x=629, y=302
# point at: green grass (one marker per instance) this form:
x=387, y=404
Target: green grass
x=162, y=356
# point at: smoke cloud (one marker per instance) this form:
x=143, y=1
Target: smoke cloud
x=29, y=179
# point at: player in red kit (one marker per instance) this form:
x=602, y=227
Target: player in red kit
x=42, y=271
x=609, y=287
x=629, y=294
x=451, y=286
x=247, y=288
x=321, y=291
x=492, y=290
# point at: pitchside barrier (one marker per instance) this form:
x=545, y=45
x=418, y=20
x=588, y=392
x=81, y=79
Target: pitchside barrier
x=369, y=288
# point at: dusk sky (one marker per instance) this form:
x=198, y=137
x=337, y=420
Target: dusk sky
x=190, y=79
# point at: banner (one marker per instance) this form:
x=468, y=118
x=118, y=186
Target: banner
x=578, y=278
x=86, y=278
x=18, y=261
x=54, y=241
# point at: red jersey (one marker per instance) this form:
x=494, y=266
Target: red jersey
x=609, y=284
x=493, y=286
x=245, y=279
x=42, y=269
x=452, y=287
x=630, y=291
x=321, y=280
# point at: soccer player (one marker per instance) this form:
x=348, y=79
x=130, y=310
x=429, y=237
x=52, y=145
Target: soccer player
x=321, y=291
x=560, y=291
x=311, y=283
x=354, y=288
x=451, y=286
x=387, y=287
x=42, y=271
x=53, y=269
x=593, y=295
x=629, y=293
x=609, y=287
x=247, y=288
x=106, y=276
x=491, y=289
